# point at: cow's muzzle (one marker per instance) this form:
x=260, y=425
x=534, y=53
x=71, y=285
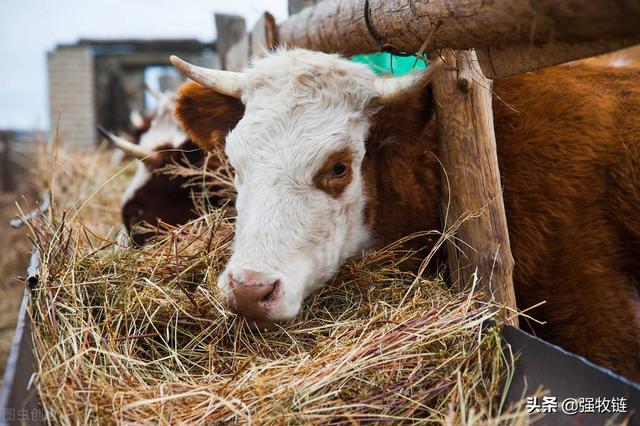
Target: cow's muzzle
x=252, y=294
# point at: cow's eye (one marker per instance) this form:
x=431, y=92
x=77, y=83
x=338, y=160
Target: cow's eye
x=339, y=170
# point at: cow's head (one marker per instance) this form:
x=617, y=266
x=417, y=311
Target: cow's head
x=298, y=155
x=154, y=193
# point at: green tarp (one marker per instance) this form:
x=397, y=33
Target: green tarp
x=386, y=63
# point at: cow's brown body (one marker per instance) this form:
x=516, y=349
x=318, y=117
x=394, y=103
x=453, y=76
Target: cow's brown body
x=569, y=152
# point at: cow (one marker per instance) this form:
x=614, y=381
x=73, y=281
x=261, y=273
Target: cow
x=155, y=194
x=331, y=159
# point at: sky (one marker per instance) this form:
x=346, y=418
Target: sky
x=31, y=28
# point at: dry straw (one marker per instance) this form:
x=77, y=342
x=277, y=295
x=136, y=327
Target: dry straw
x=129, y=335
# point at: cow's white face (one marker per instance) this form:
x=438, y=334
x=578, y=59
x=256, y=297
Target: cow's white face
x=298, y=154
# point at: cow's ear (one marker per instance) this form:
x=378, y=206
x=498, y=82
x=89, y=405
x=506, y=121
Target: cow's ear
x=403, y=120
x=206, y=115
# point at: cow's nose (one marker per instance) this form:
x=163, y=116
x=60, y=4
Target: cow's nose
x=251, y=293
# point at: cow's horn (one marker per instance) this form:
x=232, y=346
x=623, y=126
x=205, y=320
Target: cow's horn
x=390, y=89
x=130, y=148
x=225, y=82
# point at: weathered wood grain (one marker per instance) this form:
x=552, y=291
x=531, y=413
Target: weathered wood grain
x=471, y=179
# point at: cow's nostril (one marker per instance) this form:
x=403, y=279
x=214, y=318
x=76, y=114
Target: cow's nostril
x=272, y=294
x=251, y=293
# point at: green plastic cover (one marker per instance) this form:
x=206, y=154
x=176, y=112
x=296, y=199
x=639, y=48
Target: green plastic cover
x=386, y=63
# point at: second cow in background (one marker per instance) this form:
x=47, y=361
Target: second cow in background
x=156, y=195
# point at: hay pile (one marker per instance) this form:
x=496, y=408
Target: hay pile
x=140, y=335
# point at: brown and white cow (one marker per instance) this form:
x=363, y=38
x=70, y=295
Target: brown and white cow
x=154, y=194
x=331, y=160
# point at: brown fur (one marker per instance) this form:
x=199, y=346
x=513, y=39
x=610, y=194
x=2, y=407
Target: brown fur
x=205, y=115
x=569, y=152
x=570, y=160
x=325, y=181
x=165, y=197
x=401, y=173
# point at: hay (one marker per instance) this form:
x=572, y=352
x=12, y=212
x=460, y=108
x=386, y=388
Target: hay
x=129, y=335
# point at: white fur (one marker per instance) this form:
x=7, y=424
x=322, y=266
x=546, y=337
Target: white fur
x=164, y=127
x=301, y=107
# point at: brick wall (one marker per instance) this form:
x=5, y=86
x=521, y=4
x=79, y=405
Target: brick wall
x=71, y=95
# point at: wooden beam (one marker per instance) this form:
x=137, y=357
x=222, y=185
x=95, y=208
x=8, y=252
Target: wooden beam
x=471, y=179
x=502, y=61
x=264, y=35
x=340, y=26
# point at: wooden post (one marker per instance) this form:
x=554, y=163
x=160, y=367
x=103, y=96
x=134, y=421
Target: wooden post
x=264, y=35
x=472, y=183
x=237, y=58
x=6, y=165
x=230, y=29
x=296, y=6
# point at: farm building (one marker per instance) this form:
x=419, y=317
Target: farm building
x=99, y=82
x=369, y=211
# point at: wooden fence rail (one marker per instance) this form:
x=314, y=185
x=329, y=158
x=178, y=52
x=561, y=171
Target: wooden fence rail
x=538, y=33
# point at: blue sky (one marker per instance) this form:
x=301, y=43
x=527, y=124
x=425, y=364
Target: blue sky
x=30, y=28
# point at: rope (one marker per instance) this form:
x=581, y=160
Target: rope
x=384, y=47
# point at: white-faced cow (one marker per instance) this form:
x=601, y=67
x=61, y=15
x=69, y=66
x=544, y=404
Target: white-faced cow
x=154, y=194
x=331, y=159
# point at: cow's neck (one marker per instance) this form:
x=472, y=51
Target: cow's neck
x=402, y=175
